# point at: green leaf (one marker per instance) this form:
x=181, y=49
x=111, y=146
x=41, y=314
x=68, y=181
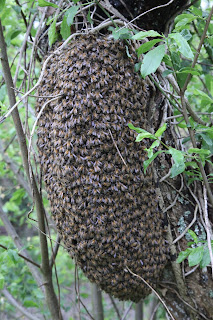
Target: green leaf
x=147, y=162
x=30, y=303
x=195, y=256
x=120, y=33
x=189, y=70
x=144, y=34
x=52, y=33
x=192, y=164
x=13, y=255
x=184, y=19
x=199, y=151
x=152, y=60
x=193, y=235
x=65, y=29
x=2, y=4
x=179, y=165
x=138, y=130
x=183, y=255
x=89, y=19
x=166, y=73
x=203, y=95
x=177, y=169
x=206, y=258
x=143, y=135
x=147, y=46
x=43, y=3
x=1, y=282
x=71, y=14
x=182, y=44
x=160, y=131
x=155, y=144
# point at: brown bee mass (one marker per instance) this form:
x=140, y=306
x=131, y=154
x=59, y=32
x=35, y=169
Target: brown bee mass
x=104, y=207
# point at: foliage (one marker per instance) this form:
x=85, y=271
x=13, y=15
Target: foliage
x=197, y=254
x=177, y=51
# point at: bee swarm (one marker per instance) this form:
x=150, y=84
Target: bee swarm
x=104, y=207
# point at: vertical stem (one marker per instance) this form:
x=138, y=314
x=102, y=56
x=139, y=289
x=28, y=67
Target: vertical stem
x=139, y=310
x=51, y=298
x=97, y=305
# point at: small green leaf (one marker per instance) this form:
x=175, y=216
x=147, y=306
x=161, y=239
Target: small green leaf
x=138, y=130
x=147, y=162
x=155, y=144
x=1, y=282
x=147, y=46
x=199, y=151
x=182, y=44
x=13, y=255
x=89, y=19
x=52, y=33
x=65, y=29
x=177, y=169
x=179, y=165
x=192, y=164
x=206, y=258
x=166, y=73
x=144, y=34
x=43, y=3
x=30, y=303
x=120, y=33
x=195, y=256
x=203, y=95
x=189, y=70
x=160, y=131
x=152, y=60
x=71, y=14
x=143, y=135
x=183, y=255
x=193, y=235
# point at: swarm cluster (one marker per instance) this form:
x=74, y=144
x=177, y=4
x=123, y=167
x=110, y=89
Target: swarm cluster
x=104, y=207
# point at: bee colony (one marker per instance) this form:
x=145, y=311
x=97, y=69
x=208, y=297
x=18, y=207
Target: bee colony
x=104, y=207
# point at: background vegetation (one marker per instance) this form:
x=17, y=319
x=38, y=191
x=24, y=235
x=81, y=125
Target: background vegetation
x=28, y=258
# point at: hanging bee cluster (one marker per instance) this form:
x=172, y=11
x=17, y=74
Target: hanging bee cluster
x=104, y=207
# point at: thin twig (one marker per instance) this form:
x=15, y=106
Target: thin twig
x=23, y=257
x=208, y=226
x=155, y=292
x=117, y=148
x=189, y=226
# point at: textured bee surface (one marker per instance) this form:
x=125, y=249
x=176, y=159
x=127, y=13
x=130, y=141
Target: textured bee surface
x=104, y=207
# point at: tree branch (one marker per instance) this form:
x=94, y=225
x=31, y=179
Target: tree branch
x=51, y=298
x=17, y=305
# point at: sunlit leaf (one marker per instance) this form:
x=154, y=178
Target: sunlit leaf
x=43, y=3
x=71, y=14
x=193, y=235
x=144, y=34
x=195, y=256
x=65, y=29
x=182, y=44
x=52, y=33
x=183, y=255
x=206, y=258
x=152, y=60
x=199, y=151
x=160, y=131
